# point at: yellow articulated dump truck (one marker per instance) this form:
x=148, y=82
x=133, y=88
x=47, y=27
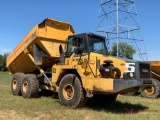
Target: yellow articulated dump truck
x=76, y=66
x=154, y=90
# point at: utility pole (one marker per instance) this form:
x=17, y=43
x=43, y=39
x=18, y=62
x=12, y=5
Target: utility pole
x=117, y=27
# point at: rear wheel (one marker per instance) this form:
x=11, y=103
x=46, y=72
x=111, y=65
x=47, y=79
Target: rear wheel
x=30, y=86
x=16, y=83
x=71, y=92
x=152, y=91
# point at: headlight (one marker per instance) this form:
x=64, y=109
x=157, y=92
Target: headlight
x=131, y=75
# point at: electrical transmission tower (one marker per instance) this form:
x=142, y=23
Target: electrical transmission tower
x=118, y=19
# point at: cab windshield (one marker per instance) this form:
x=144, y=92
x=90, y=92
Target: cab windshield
x=97, y=45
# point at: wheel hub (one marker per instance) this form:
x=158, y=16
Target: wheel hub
x=14, y=84
x=68, y=92
x=25, y=87
x=150, y=90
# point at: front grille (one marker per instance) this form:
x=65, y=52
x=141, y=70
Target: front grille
x=144, y=70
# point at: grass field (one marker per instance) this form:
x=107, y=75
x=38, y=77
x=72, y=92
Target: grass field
x=47, y=108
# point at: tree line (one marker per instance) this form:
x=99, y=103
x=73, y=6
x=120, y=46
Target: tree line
x=3, y=62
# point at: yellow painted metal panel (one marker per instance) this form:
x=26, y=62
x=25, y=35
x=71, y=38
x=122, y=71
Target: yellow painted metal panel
x=155, y=67
x=98, y=84
x=53, y=29
x=103, y=84
x=119, y=63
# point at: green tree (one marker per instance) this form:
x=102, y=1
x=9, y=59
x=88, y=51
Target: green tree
x=125, y=50
x=3, y=62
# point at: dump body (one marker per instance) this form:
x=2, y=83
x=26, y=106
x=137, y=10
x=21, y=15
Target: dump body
x=155, y=67
x=48, y=36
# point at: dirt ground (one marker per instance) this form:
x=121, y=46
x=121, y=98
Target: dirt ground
x=13, y=115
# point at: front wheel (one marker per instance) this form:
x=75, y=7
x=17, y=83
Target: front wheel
x=71, y=92
x=152, y=91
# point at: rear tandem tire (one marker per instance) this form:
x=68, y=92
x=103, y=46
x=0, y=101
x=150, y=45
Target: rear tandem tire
x=16, y=83
x=152, y=91
x=71, y=92
x=30, y=86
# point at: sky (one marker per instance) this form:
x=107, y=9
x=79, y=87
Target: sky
x=18, y=17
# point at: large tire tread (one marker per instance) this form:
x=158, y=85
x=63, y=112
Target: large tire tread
x=156, y=94
x=75, y=102
x=33, y=88
x=82, y=100
x=18, y=77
